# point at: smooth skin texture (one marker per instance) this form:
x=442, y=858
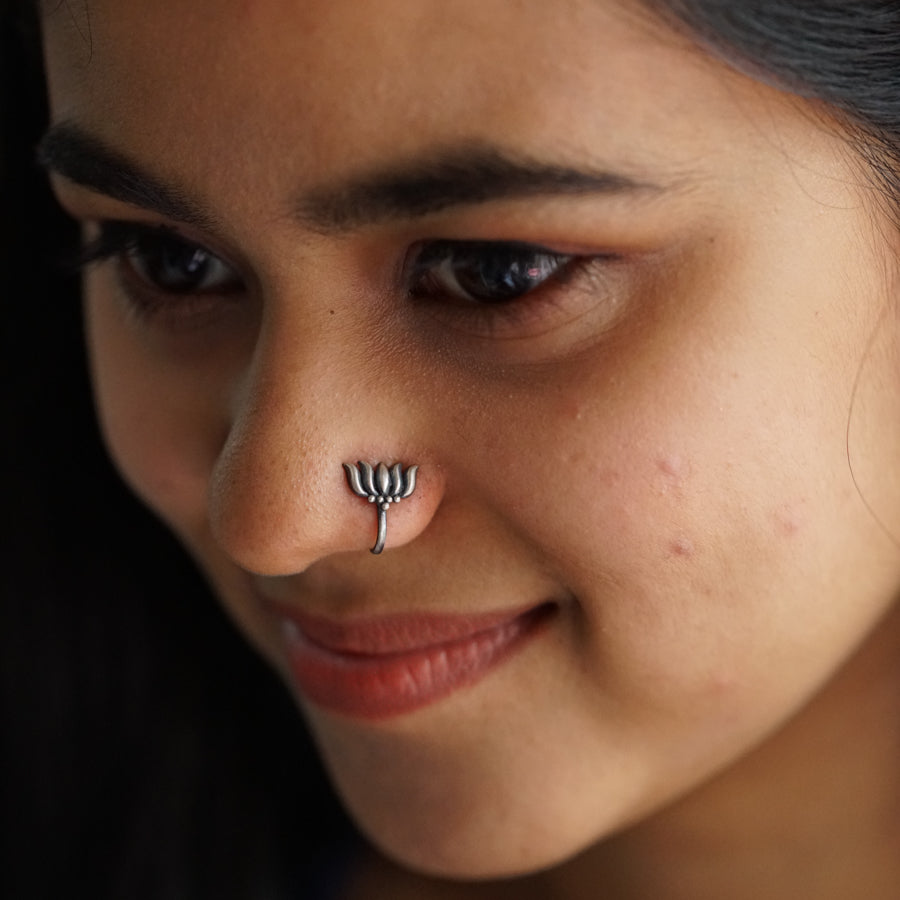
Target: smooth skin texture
x=687, y=441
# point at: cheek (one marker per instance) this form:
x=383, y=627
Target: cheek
x=695, y=498
x=163, y=425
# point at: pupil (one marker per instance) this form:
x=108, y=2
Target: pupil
x=500, y=276
x=172, y=265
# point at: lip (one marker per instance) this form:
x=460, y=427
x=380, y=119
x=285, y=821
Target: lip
x=378, y=668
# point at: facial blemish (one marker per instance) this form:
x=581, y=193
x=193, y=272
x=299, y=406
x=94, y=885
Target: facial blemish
x=682, y=548
x=787, y=520
x=571, y=409
x=671, y=467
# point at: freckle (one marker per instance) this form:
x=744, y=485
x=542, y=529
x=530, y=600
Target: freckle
x=682, y=547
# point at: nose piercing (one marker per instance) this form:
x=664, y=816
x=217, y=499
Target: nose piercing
x=383, y=487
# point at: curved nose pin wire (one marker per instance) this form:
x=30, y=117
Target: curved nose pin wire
x=382, y=487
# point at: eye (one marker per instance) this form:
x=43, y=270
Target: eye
x=483, y=272
x=175, y=267
x=161, y=260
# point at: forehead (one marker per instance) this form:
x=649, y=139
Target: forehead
x=382, y=48
x=377, y=71
x=245, y=97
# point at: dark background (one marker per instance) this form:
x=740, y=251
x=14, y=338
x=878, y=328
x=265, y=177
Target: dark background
x=144, y=751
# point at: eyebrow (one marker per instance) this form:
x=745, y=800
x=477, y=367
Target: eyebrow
x=470, y=174
x=85, y=160
x=460, y=176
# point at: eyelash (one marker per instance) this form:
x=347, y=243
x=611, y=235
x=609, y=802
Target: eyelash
x=131, y=245
x=468, y=267
x=445, y=272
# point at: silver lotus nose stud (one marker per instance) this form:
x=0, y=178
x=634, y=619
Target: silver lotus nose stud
x=382, y=486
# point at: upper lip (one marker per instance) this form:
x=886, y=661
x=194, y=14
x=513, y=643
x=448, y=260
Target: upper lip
x=397, y=632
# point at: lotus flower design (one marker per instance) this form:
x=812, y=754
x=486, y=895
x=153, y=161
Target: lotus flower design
x=383, y=487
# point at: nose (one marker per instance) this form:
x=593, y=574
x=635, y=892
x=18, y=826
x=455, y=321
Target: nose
x=315, y=397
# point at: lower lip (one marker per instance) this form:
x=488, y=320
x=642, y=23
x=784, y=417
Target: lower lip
x=392, y=666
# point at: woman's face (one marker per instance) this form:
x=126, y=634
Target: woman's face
x=627, y=310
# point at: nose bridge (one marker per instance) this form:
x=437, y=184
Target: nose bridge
x=279, y=498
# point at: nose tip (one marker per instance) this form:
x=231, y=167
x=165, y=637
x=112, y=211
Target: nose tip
x=279, y=499
x=269, y=512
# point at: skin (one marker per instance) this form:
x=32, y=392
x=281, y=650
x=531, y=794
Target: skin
x=690, y=448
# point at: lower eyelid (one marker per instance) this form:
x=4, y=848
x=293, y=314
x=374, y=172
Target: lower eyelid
x=173, y=314
x=146, y=302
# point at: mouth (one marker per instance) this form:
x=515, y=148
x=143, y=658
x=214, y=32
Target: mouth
x=379, y=668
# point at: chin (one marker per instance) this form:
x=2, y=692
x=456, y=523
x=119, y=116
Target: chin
x=467, y=849
x=431, y=804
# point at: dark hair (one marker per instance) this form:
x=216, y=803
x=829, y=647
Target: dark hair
x=145, y=751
